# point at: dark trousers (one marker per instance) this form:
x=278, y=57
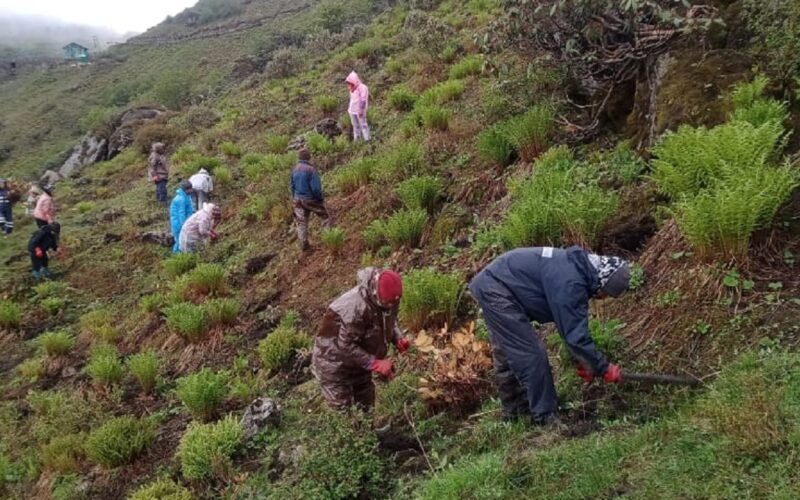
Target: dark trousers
x=522, y=370
x=161, y=191
x=342, y=394
x=39, y=263
x=40, y=223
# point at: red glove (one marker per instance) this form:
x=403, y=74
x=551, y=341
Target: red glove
x=402, y=344
x=155, y=178
x=382, y=367
x=39, y=253
x=613, y=375
x=214, y=235
x=583, y=373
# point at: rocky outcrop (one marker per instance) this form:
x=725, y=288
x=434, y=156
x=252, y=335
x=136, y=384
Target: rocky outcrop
x=329, y=128
x=90, y=150
x=125, y=126
x=261, y=413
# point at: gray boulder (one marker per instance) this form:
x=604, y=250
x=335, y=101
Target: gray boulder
x=261, y=413
x=90, y=150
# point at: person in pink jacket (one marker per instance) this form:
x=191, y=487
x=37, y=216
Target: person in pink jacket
x=199, y=228
x=45, y=212
x=359, y=102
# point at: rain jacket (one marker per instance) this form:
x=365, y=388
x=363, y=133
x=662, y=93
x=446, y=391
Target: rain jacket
x=45, y=238
x=44, y=209
x=553, y=285
x=179, y=211
x=197, y=228
x=306, y=183
x=354, y=331
x=359, y=97
x=201, y=181
x=157, y=164
x=6, y=212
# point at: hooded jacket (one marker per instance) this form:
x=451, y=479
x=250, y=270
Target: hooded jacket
x=179, y=211
x=551, y=285
x=306, y=183
x=201, y=181
x=359, y=96
x=45, y=238
x=354, y=331
x=157, y=165
x=197, y=228
x=44, y=209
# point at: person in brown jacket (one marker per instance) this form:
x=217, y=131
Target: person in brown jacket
x=158, y=170
x=354, y=339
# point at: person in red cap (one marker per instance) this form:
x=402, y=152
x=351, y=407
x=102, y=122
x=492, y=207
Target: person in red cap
x=353, y=341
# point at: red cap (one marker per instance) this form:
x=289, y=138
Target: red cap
x=390, y=287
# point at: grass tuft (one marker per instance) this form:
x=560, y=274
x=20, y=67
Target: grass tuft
x=145, y=367
x=203, y=393
x=430, y=298
x=119, y=440
x=205, y=450
x=57, y=343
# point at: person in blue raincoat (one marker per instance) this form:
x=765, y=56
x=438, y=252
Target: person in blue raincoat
x=180, y=209
x=544, y=284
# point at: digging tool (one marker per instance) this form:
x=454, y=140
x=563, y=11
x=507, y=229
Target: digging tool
x=656, y=378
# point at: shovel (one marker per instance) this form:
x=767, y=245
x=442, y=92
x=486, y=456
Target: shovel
x=655, y=378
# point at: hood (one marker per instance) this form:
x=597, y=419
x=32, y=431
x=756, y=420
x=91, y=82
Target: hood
x=368, y=283
x=353, y=78
x=209, y=208
x=202, y=171
x=158, y=147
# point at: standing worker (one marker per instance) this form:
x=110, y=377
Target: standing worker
x=199, y=228
x=202, y=187
x=33, y=196
x=179, y=211
x=158, y=171
x=45, y=212
x=307, y=197
x=354, y=339
x=44, y=239
x=359, y=103
x=6, y=209
x=544, y=284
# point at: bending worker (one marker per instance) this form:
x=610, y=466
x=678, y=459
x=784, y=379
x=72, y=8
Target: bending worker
x=354, y=339
x=544, y=284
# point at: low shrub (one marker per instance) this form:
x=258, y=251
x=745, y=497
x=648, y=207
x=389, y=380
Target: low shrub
x=104, y=366
x=203, y=392
x=63, y=454
x=180, y=264
x=208, y=163
x=222, y=176
x=119, y=440
x=326, y=103
x=83, y=207
x=57, y=343
x=402, y=98
x=468, y=66
x=318, y=144
x=254, y=166
x=205, y=450
x=434, y=117
x=421, y=192
x=495, y=146
x=162, y=489
x=54, y=305
x=187, y=320
x=530, y=132
x=145, y=368
x=232, y=149
x=277, y=143
x=333, y=240
x=10, y=314
x=50, y=289
x=430, y=298
x=405, y=228
x=153, y=303
x=221, y=311
x=278, y=348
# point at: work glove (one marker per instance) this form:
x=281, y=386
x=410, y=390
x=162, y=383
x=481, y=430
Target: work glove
x=402, y=344
x=613, y=375
x=155, y=178
x=214, y=235
x=38, y=252
x=583, y=373
x=382, y=367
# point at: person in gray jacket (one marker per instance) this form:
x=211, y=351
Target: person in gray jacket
x=544, y=284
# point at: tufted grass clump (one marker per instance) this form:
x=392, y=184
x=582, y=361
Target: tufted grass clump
x=405, y=227
x=54, y=305
x=220, y=312
x=467, y=66
x=50, y=289
x=231, y=149
x=119, y=440
x=442, y=93
x=104, y=366
x=530, y=133
x=277, y=143
x=333, y=240
x=420, y=192
x=99, y=324
x=205, y=279
x=374, y=234
x=495, y=146
x=402, y=98
x=83, y=207
x=10, y=314
x=203, y=392
x=278, y=348
x=56, y=343
x=31, y=369
x=187, y=320
x=153, y=303
x=64, y=453
x=162, y=489
x=145, y=368
x=402, y=160
x=205, y=450
x=354, y=175
x=434, y=117
x=326, y=103
x=222, y=176
x=319, y=144
x=254, y=166
x=430, y=298
x=180, y=264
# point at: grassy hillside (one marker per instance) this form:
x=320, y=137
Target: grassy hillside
x=125, y=376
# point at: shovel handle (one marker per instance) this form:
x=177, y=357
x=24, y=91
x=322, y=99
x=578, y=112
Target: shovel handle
x=659, y=379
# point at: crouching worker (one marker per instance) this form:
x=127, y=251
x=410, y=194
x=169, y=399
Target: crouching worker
x=199, y=228
x=354, y=339
x=44, y=239
x=545, y=285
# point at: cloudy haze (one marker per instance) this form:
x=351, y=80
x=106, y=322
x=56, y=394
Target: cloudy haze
x=119, y=16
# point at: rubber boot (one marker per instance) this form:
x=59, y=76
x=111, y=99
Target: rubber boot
x=36, y=275
x=46, y=273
